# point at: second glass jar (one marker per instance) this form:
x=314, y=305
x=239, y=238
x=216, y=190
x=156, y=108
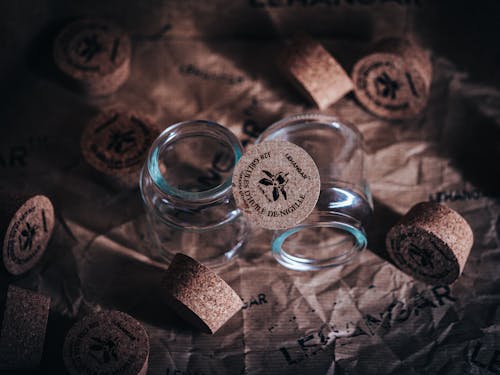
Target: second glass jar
x=335, y=231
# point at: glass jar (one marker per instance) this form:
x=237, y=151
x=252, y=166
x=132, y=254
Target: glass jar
x=335, y=230
x=186, y=188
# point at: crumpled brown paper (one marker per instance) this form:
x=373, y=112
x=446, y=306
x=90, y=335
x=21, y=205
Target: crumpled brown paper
x=365, y=317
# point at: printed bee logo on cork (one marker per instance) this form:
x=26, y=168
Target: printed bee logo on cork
x=121, y=142
x=420, y=256
x=89, y=47
x=385, y=86
x=27, y=235
x=278, y=183
x=103, y=351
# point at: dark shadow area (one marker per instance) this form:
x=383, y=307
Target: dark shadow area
x=40, y=56
x=52, y=359
x=384, y=218
x=473, y=145
x=465, y=32
x=113, y=279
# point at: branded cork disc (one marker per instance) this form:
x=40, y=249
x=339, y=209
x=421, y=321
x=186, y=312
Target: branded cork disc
x=29, y=229
x=117, y=143
x=315, y=72
x=107, y=342
x=23, y=329
x=276, y=184
x=198, y=295
x=95, y=53
x=393, y=82
x=431, y=243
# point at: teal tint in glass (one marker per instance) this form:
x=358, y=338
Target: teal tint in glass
x=186, y=189
x=334, y=233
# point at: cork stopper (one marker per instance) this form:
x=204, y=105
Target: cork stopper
x=117, y=143
x=198, y=295
x=394, y=81
x=431, y=243
x=107, y=342
x=23, y=329
x=315, y=72
x=276, y=184
x=26, y=226
x=95, y=53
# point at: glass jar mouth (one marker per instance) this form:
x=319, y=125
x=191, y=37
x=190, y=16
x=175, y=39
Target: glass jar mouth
x=333, y=121
x=351, y=233
x=192, y=128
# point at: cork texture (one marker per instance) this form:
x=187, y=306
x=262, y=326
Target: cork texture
x=431, y=243
x=394, y=81
x=95, y=53
x=117, y=144
x=107, y=342
x=311, y=68
x=198, y=295
x=23, y=329
x=276, y=184
x=27, y=227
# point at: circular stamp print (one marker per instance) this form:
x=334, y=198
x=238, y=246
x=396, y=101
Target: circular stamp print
x=117, y=143
x=390, y=87
x=28, y=234
x=107, y=342
x=94, y=52
x=276, y=184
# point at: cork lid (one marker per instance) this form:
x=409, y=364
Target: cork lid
x=431, y=243
x=89, y=48
x=276, y=184
x=316, y=73
x=23, y=329
x=198, y=295
x=28, y=233
x=117, y=143
x=107, y=342
x=394, y=81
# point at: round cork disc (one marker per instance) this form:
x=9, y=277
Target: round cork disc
x=431, y=243
x=317, y=75
x=198, y=295
x=393, y=83
x=94, y=52
x=117, y=143
x=107, y=342
x=276, y=184
x=28, y=234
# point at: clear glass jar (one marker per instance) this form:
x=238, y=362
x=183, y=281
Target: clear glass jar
x=335, y=231
x=186, y=187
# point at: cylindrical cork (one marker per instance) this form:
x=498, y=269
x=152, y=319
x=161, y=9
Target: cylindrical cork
x=26, y=225
x=431, y=243
x=23, y=329
x=117, y=143
x=315, y=72
x=107, y=342
x=198, y=295
x=95, y=53
x=394, y=81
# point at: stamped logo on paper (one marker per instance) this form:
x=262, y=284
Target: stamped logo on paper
x=276, y=184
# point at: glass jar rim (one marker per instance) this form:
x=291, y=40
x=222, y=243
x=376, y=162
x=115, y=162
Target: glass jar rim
x=181, y=129
x=313, y=116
